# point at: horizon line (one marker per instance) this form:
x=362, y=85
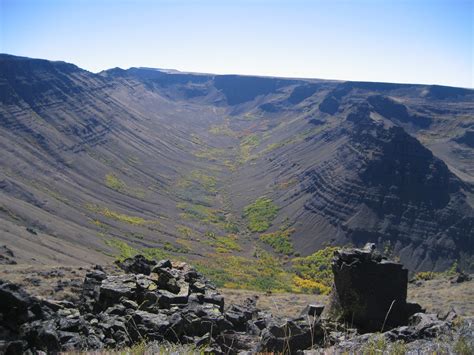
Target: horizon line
x=174, y=71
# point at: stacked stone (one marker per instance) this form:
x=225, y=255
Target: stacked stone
x=164, y=301
x=152, y=301
x=369, y=291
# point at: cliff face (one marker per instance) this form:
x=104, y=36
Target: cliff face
x=383, y=185
x=158, y=159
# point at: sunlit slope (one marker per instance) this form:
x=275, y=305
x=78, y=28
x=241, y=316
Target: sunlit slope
x=209, y=167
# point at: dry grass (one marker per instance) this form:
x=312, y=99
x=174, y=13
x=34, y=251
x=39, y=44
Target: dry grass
x=436, y=296
x=144, y=348
x=279, y=304
x=49, y=281
x=440, y=296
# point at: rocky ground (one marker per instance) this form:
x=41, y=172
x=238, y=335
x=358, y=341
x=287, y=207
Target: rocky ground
x=63, y=282
x=143, y=305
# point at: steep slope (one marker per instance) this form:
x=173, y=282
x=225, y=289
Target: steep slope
x=86, y=160
x=175, y=163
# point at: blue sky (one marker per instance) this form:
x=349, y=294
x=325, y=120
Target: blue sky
x=416, y=41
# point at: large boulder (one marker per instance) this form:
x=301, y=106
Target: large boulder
x=137, y=265
x=91, y=289
x=290, y=336
x=369, y=291
x=113, y=288
x=14, y=305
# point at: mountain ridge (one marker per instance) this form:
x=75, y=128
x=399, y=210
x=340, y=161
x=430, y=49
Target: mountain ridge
x=140, y=156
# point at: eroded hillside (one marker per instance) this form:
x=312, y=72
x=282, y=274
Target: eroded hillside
x=230, y=170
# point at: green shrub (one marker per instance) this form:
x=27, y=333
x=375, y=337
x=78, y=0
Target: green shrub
x=126, y=251
x=246, y=145
x=223, y=129
x=260, y=214
x=310, y=286
x=279, y=240
x=201, y=213
x=155, y=253
x=430, y=275
x=375, y=345
x=262, y=273
x=121, y=217
x=426, y=275
x=316, y=267
x=185, y=232
x=113, y=182
x=398, y=348
x=453, y=270
x=206, y=181
x=231, y=227
x=462, y=347
x=225, y=244
x=173, y=248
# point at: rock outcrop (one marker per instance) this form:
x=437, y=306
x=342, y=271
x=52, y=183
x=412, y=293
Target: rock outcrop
x=156, y=301
x=369, y=291
x=164, y=301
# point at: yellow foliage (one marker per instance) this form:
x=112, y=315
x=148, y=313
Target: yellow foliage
x=306, y=285
x=134, y=220
x=425, y=275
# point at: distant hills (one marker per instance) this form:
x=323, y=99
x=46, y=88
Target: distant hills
x=214, y=166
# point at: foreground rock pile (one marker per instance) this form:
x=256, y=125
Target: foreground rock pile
x=163, y=301
x=152, y=301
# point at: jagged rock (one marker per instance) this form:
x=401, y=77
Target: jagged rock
x=428, y=324
x=167, y=299
x=91, y=289
x=163, y=264
x=42, y=335
x=93, y=342
x=72, y=324
x=313, y=310
x=232, y=342
x=137, y=265
x=240, y=315
x=461, y=277
x=113, y=288
x=117, y=311
x=211, y=296
x=71, y=341
x=58, y=305
x=145, y=283
x=290, y=336
x=166, y=279
x=154, y=326
x=31, y=230
x=129, y=304
x=369, y=291
x=14, y=306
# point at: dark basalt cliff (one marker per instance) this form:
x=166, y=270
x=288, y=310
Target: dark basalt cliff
x=383, y=185
x=142, y=155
